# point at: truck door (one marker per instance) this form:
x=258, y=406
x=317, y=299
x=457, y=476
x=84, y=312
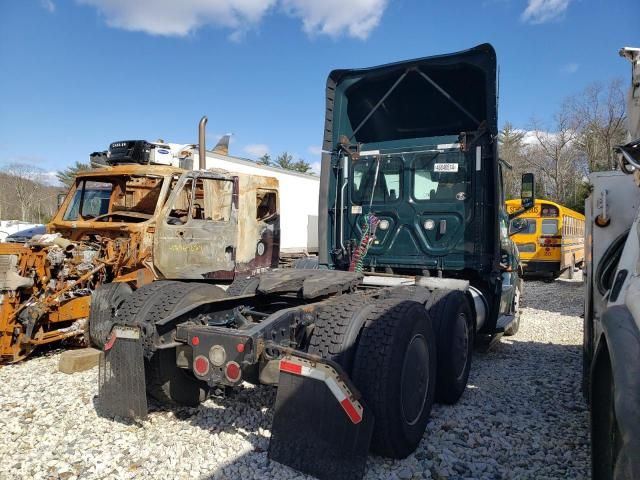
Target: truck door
x=197, y=231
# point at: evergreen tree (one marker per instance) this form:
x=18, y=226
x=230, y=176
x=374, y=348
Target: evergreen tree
x=68, y=175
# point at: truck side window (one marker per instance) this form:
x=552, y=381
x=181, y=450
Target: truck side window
x=212, y=199
x=179, y=213
x=266, y=205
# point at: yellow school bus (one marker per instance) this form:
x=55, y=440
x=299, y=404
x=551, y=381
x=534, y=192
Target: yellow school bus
x=552, y=240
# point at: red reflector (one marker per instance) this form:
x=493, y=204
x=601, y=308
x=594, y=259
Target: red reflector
x=240, y=347
x=547, y=249
x=110, y=342
x=290, y=367
x=233, y=372
x=195, y=341
x=201, y=365
x=350, y=410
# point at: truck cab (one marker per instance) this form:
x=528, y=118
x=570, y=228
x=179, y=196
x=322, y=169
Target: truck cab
x=413, y=166
x=198, y=224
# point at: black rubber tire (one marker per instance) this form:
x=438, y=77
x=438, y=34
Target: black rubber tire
x=166, y=382
x=606, y=440
x=105, y=302
x=396, y=358
x=337, y=329
x=452, y=317
x=243, y=285
x=514, y=326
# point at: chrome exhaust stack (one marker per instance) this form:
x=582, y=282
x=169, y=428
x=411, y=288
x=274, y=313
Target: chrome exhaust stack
x=202, y=145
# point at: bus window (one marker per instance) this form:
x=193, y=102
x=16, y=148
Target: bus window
x=549, y=227
x=526, y=247
x=530, y=226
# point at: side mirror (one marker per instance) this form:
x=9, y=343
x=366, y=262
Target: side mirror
x=528, y=191
x=517, y=225
x=61, y=197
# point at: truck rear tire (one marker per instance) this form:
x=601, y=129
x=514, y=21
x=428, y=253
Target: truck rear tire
x=105, y=302
x=243, y=285
x=395, y=370
x=452, y=318
x=337, y=329
x=166, y=382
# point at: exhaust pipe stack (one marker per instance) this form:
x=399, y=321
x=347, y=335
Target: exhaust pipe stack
x=202, y=146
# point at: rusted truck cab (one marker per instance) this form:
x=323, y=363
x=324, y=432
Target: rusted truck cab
x=176, y=224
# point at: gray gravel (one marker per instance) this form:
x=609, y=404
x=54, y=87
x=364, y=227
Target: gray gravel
x=522, y=416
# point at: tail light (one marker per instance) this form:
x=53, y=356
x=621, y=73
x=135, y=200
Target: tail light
x=233, y=372
x=201, y=365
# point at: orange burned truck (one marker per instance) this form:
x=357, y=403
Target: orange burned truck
x=126, y=225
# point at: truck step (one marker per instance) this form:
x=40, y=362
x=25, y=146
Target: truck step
x=503, y=323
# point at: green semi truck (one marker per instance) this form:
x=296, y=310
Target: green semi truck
x=415, y=265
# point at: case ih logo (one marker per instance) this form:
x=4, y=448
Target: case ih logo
x=119, y=145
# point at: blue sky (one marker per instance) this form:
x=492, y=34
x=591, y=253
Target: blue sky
x=79, y=74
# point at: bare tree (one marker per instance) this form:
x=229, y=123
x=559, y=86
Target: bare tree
x=512, y=150
x=599, y=110
x=25, y=187
x=554, y=153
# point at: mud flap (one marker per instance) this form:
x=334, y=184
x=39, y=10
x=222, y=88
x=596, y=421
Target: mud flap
x=121, y=382
x=320, y=426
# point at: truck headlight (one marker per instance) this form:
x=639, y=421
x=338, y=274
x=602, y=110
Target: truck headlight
x=429, y=224
x=383, y=225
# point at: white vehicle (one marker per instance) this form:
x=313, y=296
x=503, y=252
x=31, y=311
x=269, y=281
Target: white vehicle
x=9, y=227
x=611, y=350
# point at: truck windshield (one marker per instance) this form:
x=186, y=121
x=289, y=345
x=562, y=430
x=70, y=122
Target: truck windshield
x=128, y=198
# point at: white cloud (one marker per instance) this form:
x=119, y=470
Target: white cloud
x=48, y=5
x=314, y=150
x=256, y=149
x=570, y=68
x=355, y=18
x=542, y=11
x=180, y=18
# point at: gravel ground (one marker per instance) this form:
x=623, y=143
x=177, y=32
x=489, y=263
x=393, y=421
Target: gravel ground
x=522, y=416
